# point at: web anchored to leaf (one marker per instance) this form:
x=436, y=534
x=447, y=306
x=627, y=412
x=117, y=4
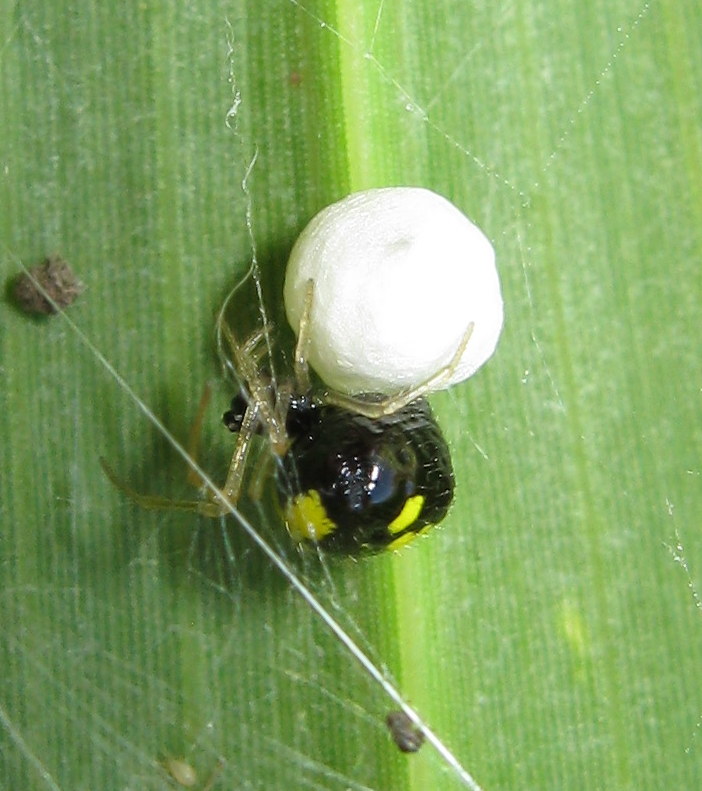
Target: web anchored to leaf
x=677, y=552
x=422, y=108
x=136, y=633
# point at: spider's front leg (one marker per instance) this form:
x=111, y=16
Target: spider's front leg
x=217, y=502
x=302, y=371
x=392, y=403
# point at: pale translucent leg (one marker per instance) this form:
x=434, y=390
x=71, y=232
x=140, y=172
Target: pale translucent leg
x=262, y=472
x=271, y=411
x=261, y=407
x=376, y=409
x=153, y=502
x=235, y=475
x=196, y=433
x=216, y=504
x=302, y=372
x=221, y=763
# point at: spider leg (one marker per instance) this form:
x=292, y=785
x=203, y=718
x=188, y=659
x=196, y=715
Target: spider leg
x=155, y=503
x=267, y=408
x=195, y=435
x=389, y=405
x=263, y=471
x=218, y=503
x=221, y=763
x=302, y=372
x=272, y=410
x=235, y=476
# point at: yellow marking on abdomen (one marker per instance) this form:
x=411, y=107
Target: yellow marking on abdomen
x=405, y=538
x=307, y=519
x=408, y=515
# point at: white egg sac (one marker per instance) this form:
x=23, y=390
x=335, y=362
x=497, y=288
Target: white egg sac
x=400, y=275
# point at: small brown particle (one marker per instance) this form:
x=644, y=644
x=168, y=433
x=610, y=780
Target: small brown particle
x=56, y=278
x=404, y=732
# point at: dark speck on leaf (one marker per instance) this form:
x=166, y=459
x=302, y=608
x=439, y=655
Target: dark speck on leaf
x=56, y=278
x=404, y=732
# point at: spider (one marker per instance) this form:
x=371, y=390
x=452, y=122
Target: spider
x=355, y=474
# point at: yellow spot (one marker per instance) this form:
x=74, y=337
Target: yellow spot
x=307, y=519
x=405, y=539
x=574, y=629
x=408, y=515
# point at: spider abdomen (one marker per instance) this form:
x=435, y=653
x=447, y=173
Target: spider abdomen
x=359, y=485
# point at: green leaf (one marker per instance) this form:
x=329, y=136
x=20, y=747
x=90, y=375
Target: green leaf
x=550, y=632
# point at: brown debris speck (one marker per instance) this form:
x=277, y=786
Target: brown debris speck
x=57, y=279
x=404, y=732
